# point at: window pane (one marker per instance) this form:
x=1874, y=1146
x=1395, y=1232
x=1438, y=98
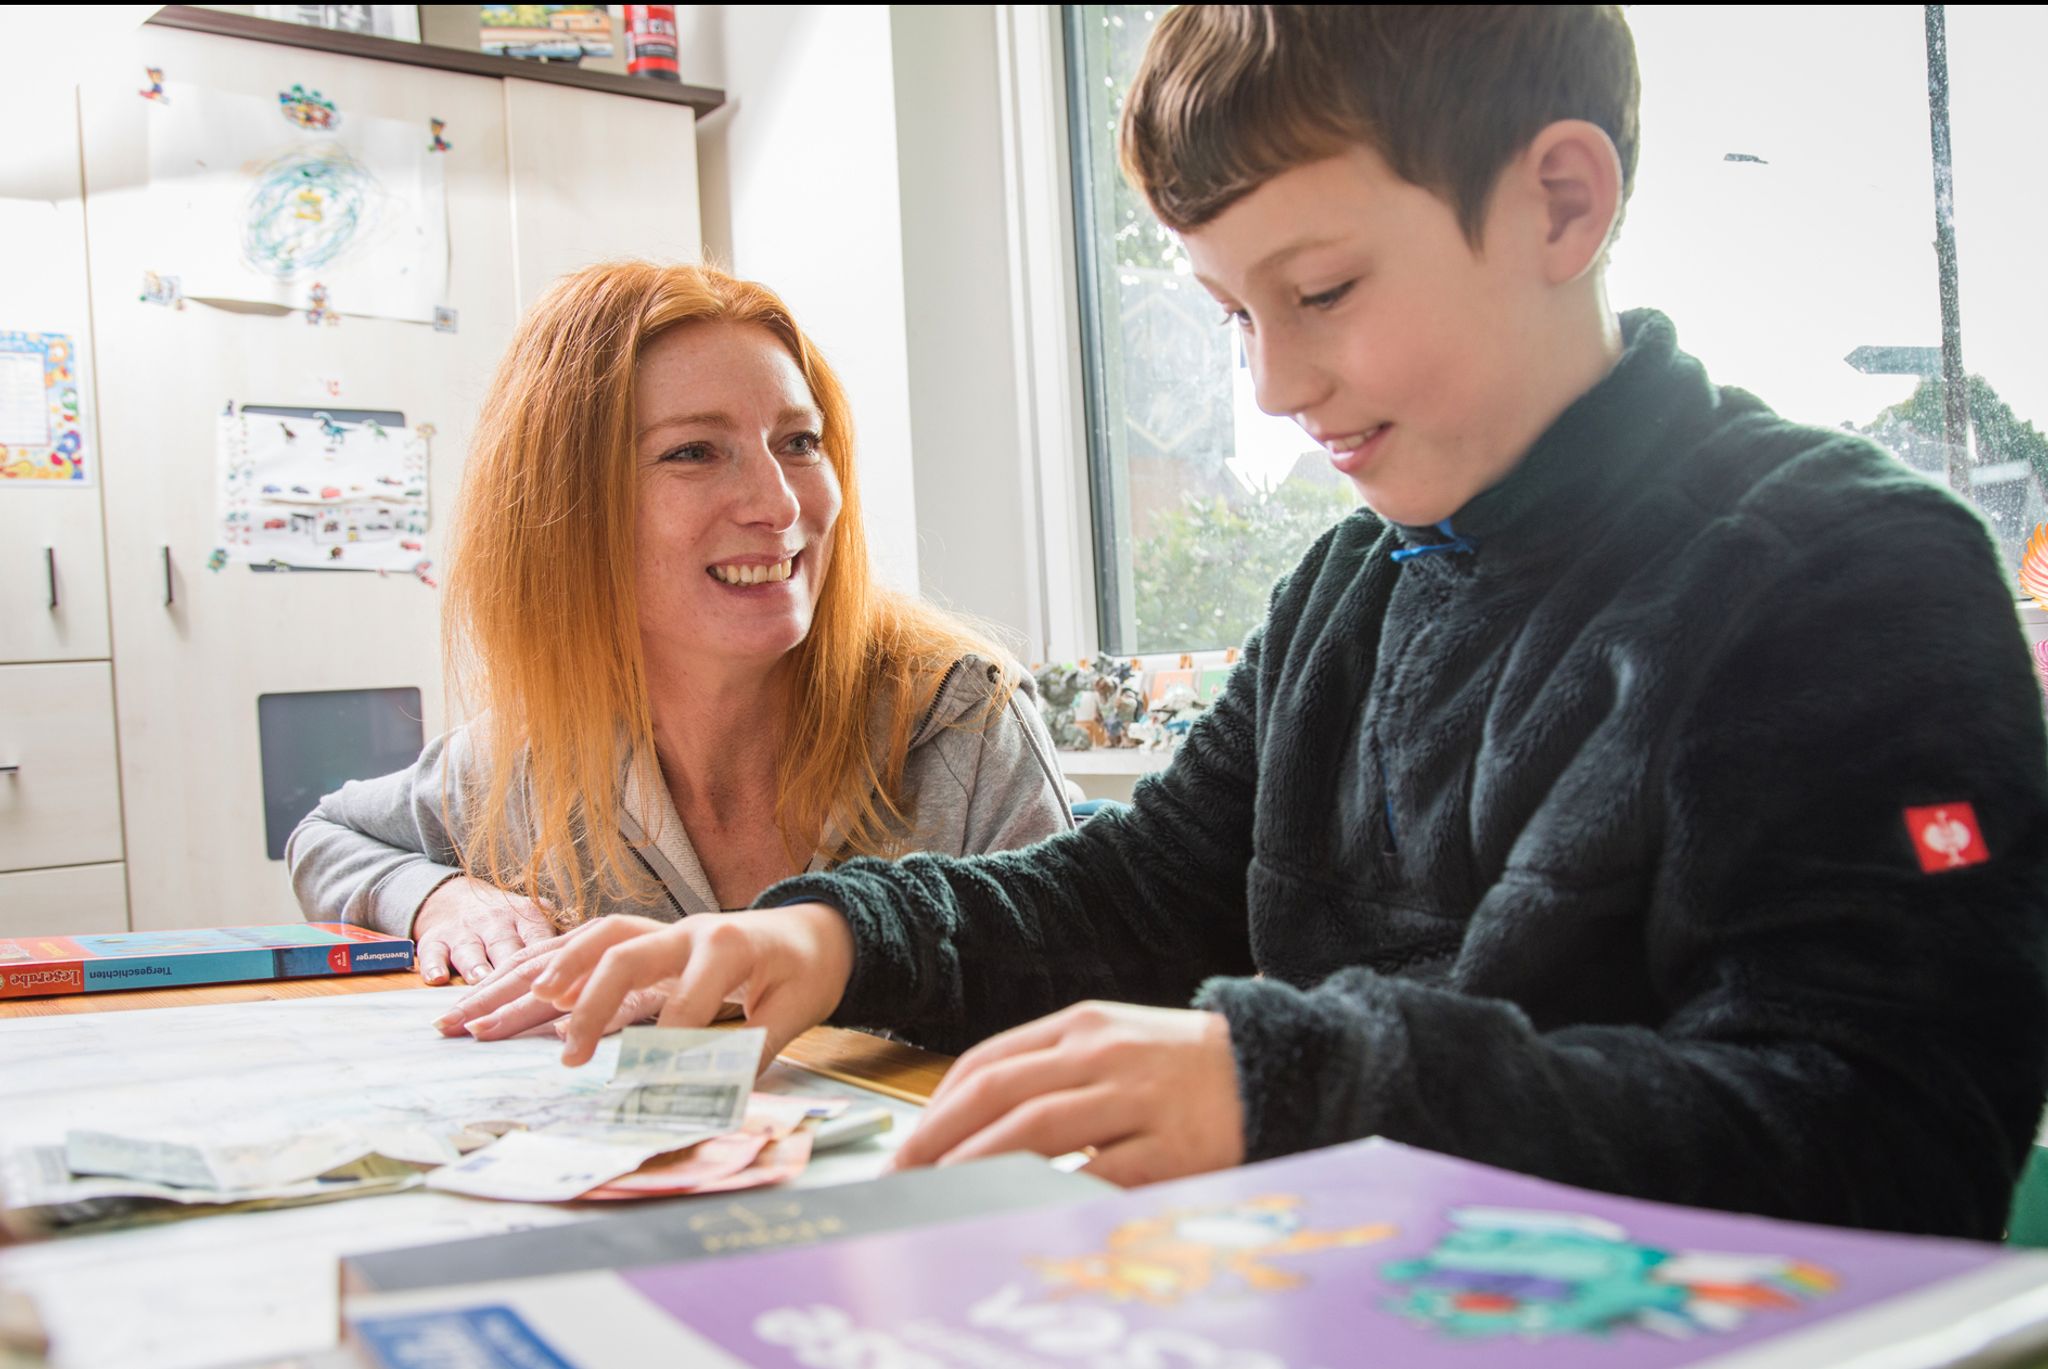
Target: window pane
x=1201, y=501
x=1789, y=233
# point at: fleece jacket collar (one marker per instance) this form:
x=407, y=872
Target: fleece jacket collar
x=1596, y=449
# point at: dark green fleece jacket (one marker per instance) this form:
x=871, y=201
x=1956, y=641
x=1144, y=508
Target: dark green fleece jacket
x=1675, y=823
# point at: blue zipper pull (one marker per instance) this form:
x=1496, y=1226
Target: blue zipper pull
x=1457, y=542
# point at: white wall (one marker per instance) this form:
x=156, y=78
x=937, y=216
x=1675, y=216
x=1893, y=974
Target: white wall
x=798, y=175
x=977, y=547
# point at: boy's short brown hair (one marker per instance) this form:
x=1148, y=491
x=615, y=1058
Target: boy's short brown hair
x=1229, y=96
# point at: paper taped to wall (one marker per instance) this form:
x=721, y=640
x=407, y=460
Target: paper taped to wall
x=313, y=489
x=262, y=200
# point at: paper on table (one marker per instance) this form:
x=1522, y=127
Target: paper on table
x=535, y=1167
x=259, y=1285
x=775, y=1115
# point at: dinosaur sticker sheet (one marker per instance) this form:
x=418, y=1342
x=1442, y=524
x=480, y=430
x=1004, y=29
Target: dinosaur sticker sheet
x=1365, y=1253
x=322, y=490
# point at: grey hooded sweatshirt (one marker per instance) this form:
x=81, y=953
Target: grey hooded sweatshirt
x=374, y=849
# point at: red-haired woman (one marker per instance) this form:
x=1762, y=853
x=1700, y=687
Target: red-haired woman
x=689, y=685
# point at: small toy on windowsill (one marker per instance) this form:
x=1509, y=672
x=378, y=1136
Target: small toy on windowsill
x=1060, y=688
x=1125, y=714
x=2034, y=580
x=1176, y=713
x=2034, y=567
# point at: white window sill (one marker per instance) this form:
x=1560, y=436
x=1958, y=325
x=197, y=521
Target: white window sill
x=1123, y=760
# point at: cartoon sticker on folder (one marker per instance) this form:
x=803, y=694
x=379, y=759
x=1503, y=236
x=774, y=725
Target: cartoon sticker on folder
x=1536, y=1275
x=1188, y=1252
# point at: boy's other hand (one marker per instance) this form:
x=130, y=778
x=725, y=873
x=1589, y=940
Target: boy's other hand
x=472, y=926
x=788, y=967
x=1151, y=1091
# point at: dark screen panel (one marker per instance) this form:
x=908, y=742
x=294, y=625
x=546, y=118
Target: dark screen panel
x=315, y=742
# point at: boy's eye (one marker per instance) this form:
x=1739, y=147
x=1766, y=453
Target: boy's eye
x=1328, y=297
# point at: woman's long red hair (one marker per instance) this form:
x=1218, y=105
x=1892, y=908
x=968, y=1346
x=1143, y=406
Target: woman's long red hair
x=542, y=634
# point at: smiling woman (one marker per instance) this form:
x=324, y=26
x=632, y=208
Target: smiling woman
x=688, y=684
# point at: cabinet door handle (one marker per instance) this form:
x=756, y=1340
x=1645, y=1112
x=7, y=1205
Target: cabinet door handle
x=170, y=595
x=50, y=569
x=10, y=770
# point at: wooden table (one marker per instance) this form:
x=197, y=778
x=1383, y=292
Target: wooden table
x=886, y=1067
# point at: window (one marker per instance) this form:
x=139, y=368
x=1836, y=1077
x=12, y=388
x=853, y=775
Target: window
x=1783, y=216
x=1200, y=501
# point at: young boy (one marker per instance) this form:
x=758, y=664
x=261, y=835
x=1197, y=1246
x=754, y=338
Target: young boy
x=1646, y=792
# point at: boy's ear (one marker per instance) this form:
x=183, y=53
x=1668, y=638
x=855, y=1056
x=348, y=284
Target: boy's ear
x=1577, y=174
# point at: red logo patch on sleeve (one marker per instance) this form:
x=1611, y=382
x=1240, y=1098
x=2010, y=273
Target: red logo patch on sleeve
x=1947, y=837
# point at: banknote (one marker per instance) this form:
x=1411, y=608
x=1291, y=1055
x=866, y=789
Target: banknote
x=649, y=1055
x=713, y=1107
x=250, y=1165
x=721, y=1157
x=40, y=1194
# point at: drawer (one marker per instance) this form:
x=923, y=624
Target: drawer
x=60, y=803
x=71, y=901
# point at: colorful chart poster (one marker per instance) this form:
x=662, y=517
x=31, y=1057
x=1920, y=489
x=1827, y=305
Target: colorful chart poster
x=296, y=201
x=313, y=489
x=41, y=437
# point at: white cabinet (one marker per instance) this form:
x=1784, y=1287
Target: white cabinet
x=111, y=624
x=196, y=647
x=60, y=788
x=53, y=589
x=580, y=184
x=540, y=179
x=68, y=901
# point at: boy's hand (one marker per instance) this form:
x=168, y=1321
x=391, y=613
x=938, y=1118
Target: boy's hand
x=788, y=966
x=501, y=1004
x=473, y=926
x=1153, y=1091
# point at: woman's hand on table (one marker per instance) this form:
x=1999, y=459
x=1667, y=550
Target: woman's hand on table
x=1151, y=1093
x=788, y=967
x=471, y=927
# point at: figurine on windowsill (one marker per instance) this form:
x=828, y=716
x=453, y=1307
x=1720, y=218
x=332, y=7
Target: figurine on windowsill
x=1093, y=706
x=1060, y=690
x=1127, y=711
x=1175, y=715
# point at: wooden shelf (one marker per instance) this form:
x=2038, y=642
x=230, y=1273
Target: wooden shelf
x=702, y=99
